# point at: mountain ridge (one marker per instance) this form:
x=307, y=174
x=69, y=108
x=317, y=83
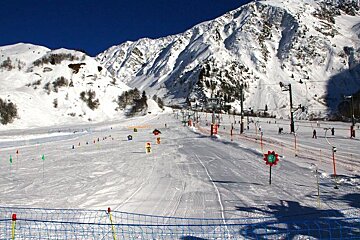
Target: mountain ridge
x=259, y=44
x=313, y=45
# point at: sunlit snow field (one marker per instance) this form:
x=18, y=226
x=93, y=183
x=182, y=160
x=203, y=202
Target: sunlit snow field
x=189, y=174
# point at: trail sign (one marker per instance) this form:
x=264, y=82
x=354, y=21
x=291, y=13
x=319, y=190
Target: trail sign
x=271, y=158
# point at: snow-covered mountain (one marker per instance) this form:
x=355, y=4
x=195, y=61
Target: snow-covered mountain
x=56, y=87
x=312, y=44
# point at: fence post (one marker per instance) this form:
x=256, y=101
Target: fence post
x=112, y=225
x=13, y=226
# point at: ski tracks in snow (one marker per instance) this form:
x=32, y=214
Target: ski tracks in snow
x=216, y=189
x=138, y=189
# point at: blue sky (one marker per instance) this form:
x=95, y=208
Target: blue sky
x=95, y=25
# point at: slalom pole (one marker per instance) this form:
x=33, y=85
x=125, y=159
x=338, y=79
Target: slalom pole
x=17, y=158
x=112, y=225
x=333, y=157
x=13, y=226
x=295, y=144
x=333, y=148
x=318, y=186
x=43, y=160
x=10, y=160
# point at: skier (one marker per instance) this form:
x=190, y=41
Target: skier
x=280, y=130
x=314, y=134
x=332, y=131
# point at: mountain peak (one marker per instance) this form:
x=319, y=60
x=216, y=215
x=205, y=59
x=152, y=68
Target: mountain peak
x=260, y=44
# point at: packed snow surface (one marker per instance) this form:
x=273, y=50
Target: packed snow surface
x=189, y=174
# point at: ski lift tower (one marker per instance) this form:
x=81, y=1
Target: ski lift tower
x=287, y=87
x=242, y=108
x=352, y=128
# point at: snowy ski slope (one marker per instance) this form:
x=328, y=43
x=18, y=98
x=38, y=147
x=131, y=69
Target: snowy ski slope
x=188, y=175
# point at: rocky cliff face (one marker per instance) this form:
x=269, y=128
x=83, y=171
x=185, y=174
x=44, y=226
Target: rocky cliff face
x=312, y=45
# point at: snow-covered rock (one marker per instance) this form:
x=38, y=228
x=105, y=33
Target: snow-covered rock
x=47, y=86
x=314, y=45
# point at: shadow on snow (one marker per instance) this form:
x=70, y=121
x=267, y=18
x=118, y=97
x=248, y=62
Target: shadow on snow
x=292, y=220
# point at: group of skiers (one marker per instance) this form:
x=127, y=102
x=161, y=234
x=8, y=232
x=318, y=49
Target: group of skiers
x=332, y=133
